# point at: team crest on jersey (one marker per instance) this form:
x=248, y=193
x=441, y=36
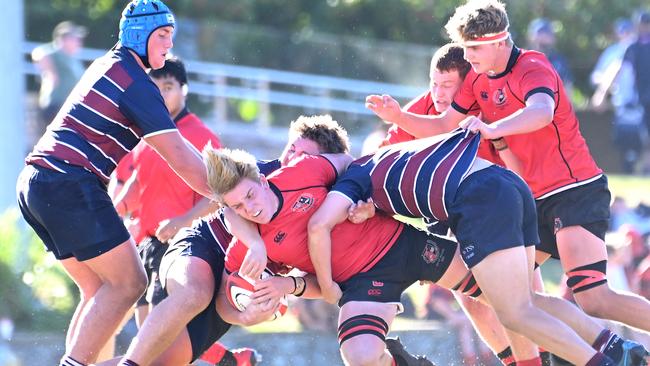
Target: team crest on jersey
x=484, y=95
x=431, y=252
x=304, y=203
x=279, y=237
x=499, y=97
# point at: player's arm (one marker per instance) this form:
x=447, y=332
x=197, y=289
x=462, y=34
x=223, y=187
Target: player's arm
x=254, y=313
x=333, y=211
x=246, y=232
x=537, y=113
x=127, y=200
x=361, y=211
x=169, y=227
x=183, y=158
x=389, y=110
x=339, y=161
x=274, y=287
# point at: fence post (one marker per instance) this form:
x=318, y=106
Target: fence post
x=220, y=102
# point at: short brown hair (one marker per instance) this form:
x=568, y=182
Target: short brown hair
x=451, y=57
x=477, y=18
x=227, y=168
x=327, y=133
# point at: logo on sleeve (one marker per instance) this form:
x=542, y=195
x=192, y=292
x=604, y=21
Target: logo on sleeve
x=431, y=252
x=303, y=203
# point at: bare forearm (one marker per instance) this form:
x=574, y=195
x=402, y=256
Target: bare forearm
x=529, y=119
x=242, y=229
x=192, y=170
x=201, y=209
x=422, y=126
x=320, y=252
x=312, y=289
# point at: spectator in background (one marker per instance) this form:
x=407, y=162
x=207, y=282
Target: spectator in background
x=623, y=214
x=60, y=70
x=638, y=57
x=541, y=37
x=611, y=76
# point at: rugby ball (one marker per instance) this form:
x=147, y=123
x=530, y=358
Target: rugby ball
x=240, y=289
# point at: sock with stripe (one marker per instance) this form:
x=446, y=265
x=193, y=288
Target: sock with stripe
x=506, y=357
x=69, y=361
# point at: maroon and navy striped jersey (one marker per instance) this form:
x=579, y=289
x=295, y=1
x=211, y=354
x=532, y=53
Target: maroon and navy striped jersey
x=111, y=108
x=415, y=179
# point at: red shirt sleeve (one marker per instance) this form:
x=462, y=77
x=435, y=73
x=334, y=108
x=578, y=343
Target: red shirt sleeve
x=300, y=173
x=537, y=77
x=235, y=255
x=124, y=168
x=465, y=100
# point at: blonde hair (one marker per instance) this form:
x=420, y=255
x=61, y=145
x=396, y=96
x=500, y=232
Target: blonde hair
x=327, y=133
x=227, y=168
x=477, y=18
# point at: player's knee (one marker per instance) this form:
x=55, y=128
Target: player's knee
x=192, y=299
x=515, y=317
x=595, y=302
x=130, y=287
x=589, y=285
x=468, y=286
x=362, y=355
x=362, y=339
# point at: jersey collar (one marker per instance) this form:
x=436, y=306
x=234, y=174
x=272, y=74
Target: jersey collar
x=514, y=55
x=181, y=115
x=278, y=194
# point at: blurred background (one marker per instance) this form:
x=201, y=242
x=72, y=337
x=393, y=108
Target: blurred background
x=254, y=67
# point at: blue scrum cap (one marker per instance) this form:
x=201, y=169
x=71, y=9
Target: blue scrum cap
x=139, y=19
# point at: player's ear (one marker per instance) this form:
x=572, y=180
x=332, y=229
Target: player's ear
x=184, y=90
x=263, y=181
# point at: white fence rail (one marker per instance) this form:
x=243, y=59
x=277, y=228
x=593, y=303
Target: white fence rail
x=270, y=87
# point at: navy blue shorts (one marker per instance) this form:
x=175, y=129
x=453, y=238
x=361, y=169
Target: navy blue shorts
x=207, y=326
x=151, y=252
x=493, y=210
x=72, y=212
x=416, y=255
x=586, y=206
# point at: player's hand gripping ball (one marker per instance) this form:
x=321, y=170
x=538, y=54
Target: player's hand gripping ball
x=240, y=290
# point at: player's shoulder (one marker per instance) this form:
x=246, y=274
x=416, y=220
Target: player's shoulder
x=530, y=60
x=305, y=171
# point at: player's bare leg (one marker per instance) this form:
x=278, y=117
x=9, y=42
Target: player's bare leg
x=190, y=287
x=88, y=283
x=487, y=325
x=120, y=287
x=366, y=349
x=514, y=307
x=578, y=248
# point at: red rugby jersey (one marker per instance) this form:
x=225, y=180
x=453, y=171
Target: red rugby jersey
x=163, y=194
x=423, y=105
x=301, y=188
x=555, y=157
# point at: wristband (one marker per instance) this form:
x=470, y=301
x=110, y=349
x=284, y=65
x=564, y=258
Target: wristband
x=499, y=144
x=295, y=285
x=304, y=287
